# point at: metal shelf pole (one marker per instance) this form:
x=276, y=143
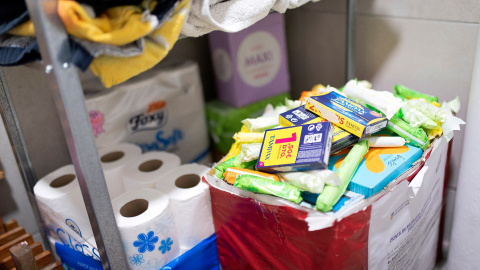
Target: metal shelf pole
x=69, y=100
x=351, y=30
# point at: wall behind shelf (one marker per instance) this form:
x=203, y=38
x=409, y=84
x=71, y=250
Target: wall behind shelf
x=428, y=45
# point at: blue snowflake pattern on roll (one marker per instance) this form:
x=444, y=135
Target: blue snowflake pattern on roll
x=165, y=245
x=136, y=259
x=146, y=242
x=165, y=224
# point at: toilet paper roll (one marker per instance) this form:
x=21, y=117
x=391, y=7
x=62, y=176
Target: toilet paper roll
x=60, y=198
x=114, y=158
x=190, y=200
x=147, y=228
x=147, y=169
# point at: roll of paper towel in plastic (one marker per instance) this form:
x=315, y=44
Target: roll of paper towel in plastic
x=147, y=169
x=59, y=198
x=162, y=110
x=190, y=199
x=114, y=158
x=147, y=228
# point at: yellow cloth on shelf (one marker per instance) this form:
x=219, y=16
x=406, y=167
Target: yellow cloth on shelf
x=113, y=70
x=116, y=26
x=24, y=29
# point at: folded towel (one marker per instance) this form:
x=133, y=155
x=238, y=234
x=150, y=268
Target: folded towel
x=233, y=15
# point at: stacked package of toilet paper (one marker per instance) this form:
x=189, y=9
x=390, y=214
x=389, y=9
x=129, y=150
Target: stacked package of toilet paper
x=162, y=210
x=162, y=111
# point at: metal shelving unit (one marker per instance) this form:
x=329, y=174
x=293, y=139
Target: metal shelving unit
x=73, y=118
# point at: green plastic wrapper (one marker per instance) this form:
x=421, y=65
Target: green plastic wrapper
x=235, y=162
x=416, y=118
x=267, y=186
x=410, y=93
x=432, y=111
x=413, y=135
x=225, y=120
x=331, y=194
x=400, y=97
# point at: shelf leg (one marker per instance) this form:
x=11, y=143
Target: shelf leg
x=351, y=30
x=69, y=100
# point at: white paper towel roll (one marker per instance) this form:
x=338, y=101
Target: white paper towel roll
x=147, y=228
x=190, y=200
x=60, y=193
x=114, y=158
x=147, y=169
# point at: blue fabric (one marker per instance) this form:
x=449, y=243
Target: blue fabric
x=14, y=56
x=164, y=8
x=12, y=13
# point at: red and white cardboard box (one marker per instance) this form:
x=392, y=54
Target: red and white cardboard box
x=397, y=228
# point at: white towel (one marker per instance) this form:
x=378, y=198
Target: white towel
x=232, y=15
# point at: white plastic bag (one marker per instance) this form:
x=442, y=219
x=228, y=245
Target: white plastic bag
x=164, y=112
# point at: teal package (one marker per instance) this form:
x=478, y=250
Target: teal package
x=379, y=167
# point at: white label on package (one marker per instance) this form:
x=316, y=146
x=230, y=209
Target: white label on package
x=404, y=223
x=259, y=58
x=160, y=113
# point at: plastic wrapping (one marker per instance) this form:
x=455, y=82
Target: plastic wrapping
x=248, y=137
x=413, y=135
x=385, y=141
x=262, y=185
x=454, y=104
x=250, y=151
x=451, y=122
x=410, y=93
x=415, y=118
x=331, y=194
x=232, y=162
x=384, y=101
x=311, y=181
x=433, y=112
x=232, y=173
x=261, y=123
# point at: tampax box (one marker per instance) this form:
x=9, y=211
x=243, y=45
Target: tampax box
x=379, y=167
x=301, y=148
x=251, y=65
x=300, y=116
x=347, y=114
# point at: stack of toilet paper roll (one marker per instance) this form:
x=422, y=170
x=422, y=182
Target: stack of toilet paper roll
x=162, y=209
x=60, y=200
